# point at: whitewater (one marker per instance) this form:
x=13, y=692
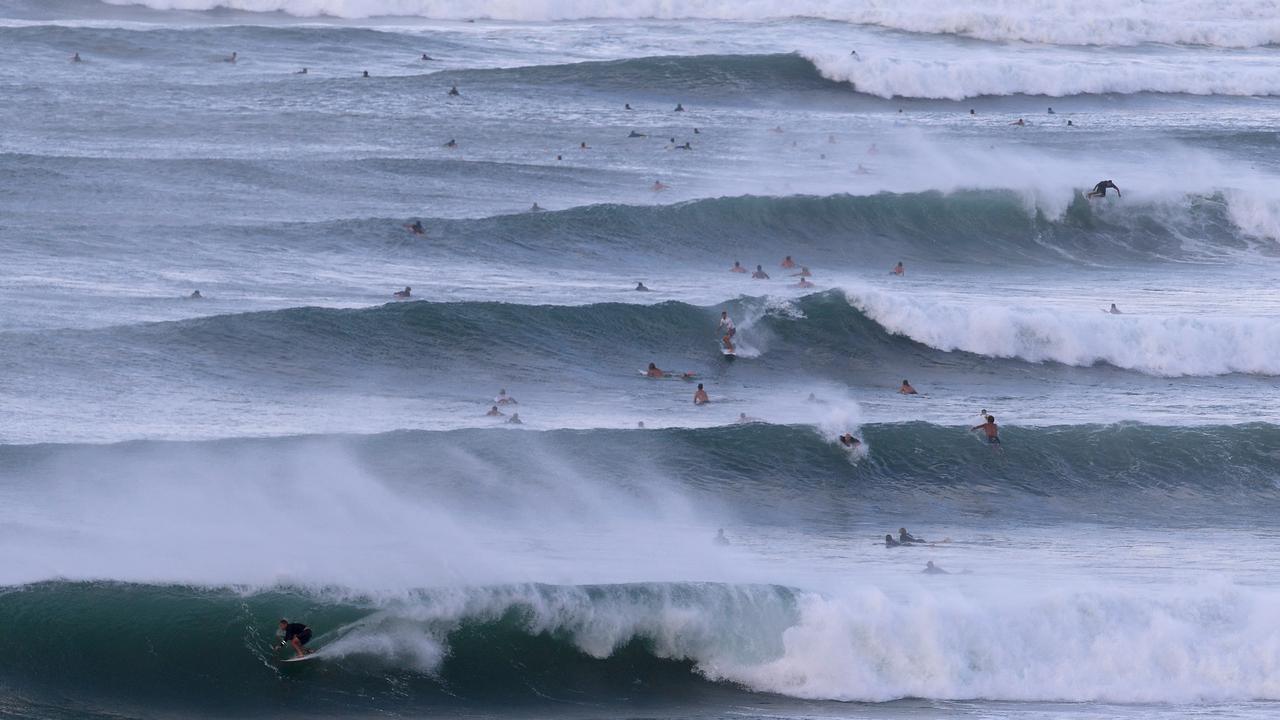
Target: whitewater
x=216, y=414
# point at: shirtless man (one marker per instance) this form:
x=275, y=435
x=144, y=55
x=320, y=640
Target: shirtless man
x=898, y=269
x=804, y=272
x=990, y=428
x=700, y=396
x=505, y=399
x=804, y=283
x=759, y=274
x=906, y=389
x=494, y=412
x=737, y=267
x=654, y=372
x=788, y=263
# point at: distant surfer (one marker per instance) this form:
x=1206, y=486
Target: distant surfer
x=453, y=91
x=890, y=542
x=874, y=150
x=804, y=283
x=655, y=372
x=296, y=635
x=759, y=274
x=906, y=389
x=659, y=186
x=860, y=170
x=679, y=108
x=505, y=399
x=635, y=134
x=1019, y=122
x=641, y=288
x=535, y=207
x=737, y=267
x=990, y=429
x=416, y=228
x=848, y=440
x=76, y=58
x=1100, y=190
x=231, y=59
x=720, y=539
x=583, y=146
x=303, y=71
x=195, y=295
x=907, y=538
x=515, y=419
x=1071, y=124
x=686, y=146
x=1114, y=310
x=427, y=57
x=898, y=269
x=451, y=144
x=804, y=272
x=931, y=569
x=700, y=396
x=403, y=294
x=745, y=419
x=1051, y=112
x=788, y=263
x=366, y=74
x=626, y=106
x=696, y=131
x=494, y=412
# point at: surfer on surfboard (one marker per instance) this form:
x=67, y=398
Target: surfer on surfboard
x=296, y=635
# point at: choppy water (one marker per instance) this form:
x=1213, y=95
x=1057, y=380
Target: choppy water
x=176, y=474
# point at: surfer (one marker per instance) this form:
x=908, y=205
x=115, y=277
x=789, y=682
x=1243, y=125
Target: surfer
x=402, y=294
x=990, y=428
x=641, y=288
x=505, y=399
x=494, y=412
x=451, y=144
x=366, y=74
x=906, y=389
x=1051, y=112
x=679, y=108
x=195, y=295
x=303, y=71
x=720, y=539
x=535, y=207
x=849, y=441
x=295, y=634
x=759, y=274
x=804, y=272
x=700, y=396
x=231, y=59
x=583, y=146
x=890, y=542
x=1019, y=122
x=635, y=134
x=416, y=228
x=905, y=537
x=788, y=263
x=655, y=372
x=726, y=324
x=860, y=170
x=1114, y=310
x=76, y=58
x=427, y=57
x=931, y=569
x=696, y=131
x=737, y=267
x=686, y=146
x=744, y=419
x=659, y=186
x=515, y=419
x=804, y=283
x=453, y=91
x=898, y=269
x=626, y=106
x=1071, y=124
x=1100, y=190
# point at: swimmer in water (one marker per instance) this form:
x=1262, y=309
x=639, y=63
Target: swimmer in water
x=931, y=569
x=759, y=274
x=402, y=294
x=1100, y=190
x=898, y=269
x=659, y=186
x=231, y=59
x=453, y=91
x=505, y=399
x=849, y=441
x=451, y=144
x=535, y=208
x=641, y=288
x=788, y=263
x=744, y=419
x=905, y=537
x=655, y=372
x=679, y=108
x=195, y=295
x=515, y=419
x=1113, y=311
x=804, y=283
x=1019, y=122
x=906, y=389
x=700, y=396
x=416, y=228
x=366, y=74
x=889, y=542
x=737, y=267
x=635, y=134
x=991, y=430
x=494, y=412
x=76, y=58
x=804, y=272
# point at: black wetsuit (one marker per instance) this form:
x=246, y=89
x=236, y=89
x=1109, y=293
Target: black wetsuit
x=1100, y=190
x=906, y=537
x=298, y=630
x=890, y=542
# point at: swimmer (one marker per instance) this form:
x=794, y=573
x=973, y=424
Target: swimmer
x=744, y=418
x=515, y=419
x=505, y=399
x=559, y=157
x=451, y=144
x=1051, y=112
x=898, y=269
x=494, y=412
x=402, y=294
x=860, y=170
x=815, y=399
x=76, y=58
x=971, y=112
x=583, y=146
x=535, y=208
x=720, y=539
x=453, y=91
x=804, y=272
x=641, y=288
x=788, y=263
x=366, y=74
x=626, y=106
x=696, y=131
x=659, y=186
x=804, y=283
x=195, y=295
x=905, y=537
x=640, y=425
x=991, y=430
x=416, y=228
x=231, y=59
x=849, y=441
x=1114, y=310
x=1071, y=124
x=1019, y=122
x=906, y=389
x=890, y=542
x=655, y=372
x=635, y=134
x=737, y=267
x=303, y=71
x=679, y=108
x=759, y=274
x=686, y=146
x=931, y=569
x=427, y=57
x=700, y=396
x=1100, y=190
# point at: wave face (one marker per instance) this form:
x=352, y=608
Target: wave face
x=1248, y=23
x=817, y=333
x=642, y=643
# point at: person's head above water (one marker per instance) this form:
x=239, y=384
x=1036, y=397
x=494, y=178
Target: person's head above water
x=905, y=383
x=699, y=386
x=653, y=366
x=991, y=419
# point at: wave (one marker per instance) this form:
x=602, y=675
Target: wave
x=1248, y=23
x=655, y=643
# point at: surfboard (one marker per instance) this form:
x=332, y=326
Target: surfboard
x=304, y=658
x=728, y=355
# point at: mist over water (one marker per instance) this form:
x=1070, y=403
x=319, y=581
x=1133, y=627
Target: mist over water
x=176, y=474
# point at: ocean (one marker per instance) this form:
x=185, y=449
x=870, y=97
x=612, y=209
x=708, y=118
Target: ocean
x=178, y=473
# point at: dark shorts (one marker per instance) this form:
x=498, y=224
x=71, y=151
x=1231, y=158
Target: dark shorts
x=994, y=439
x=304, y=637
